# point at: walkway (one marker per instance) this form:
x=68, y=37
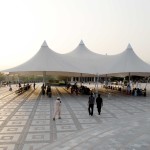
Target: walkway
x=26, y=122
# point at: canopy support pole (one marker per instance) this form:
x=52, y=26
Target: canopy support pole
x=44, y=75
x=71, y=79
x=96, y=94
x=18, y=78
x=34, y=77
x=106, y=83
x=147, y=82
x=81, y=79
x=129, y=77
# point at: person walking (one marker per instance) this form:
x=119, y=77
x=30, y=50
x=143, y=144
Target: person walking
x=99, y=102
x=34, y=85
x=57, y=108
x=91, y=104
x=10, y=88
x=43, y=89
x=19, y=85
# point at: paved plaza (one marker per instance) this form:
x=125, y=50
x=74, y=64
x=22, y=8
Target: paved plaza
x=26, y=122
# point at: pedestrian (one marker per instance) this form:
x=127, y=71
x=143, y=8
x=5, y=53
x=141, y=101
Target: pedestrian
x=43, y=89
x=99, y=102
x=19, y=85
x=57, y=108
x=34, y=85
x=91, y=104
x=10, y=88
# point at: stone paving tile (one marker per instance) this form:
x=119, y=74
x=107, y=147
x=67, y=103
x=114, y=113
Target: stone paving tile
x=86, y=126
x=77, y=108
x=16, y=123
x=28, y=107
x=29, y=125
x=66, y=116
x=43, y=109
x=61, y=135
x=141, y=143
x=34, y=146
x=87, y=120
x=70, y=127
x=39, y=128
x=41, y=117
x=40, y=122
x=6, y=110
x=105, y=115
x=41, y=137
x=42, y=113
x=65, y=113
x=12, y=130
x=3, y=118
x=9, y=138
x=25, y=109
x=28, y=104
x=82, y=115
x=22, y=113
x=80, y=112
x=1, y=122
x=20, y=118
x=5, y=113
x=10, y=106
x=64, y=121
x=7, y=147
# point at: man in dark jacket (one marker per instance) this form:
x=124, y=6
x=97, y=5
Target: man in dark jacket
x=99, y=102
x=91, y=104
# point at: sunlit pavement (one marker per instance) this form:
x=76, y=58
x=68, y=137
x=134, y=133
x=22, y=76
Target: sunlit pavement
x=26, y=122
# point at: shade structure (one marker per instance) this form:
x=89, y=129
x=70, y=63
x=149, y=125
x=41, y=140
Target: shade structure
x=127, y=62
x=49, y=62
x=83, y=61
x=88, y=61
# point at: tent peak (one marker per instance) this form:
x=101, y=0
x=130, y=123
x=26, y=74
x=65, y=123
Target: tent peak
x=44, y=44
x=81, y=42
x=129, y=46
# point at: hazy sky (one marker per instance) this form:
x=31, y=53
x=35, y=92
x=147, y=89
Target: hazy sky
x=105, y=26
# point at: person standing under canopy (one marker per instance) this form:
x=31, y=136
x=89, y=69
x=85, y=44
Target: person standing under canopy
x=34, y=85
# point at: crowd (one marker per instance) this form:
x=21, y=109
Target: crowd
x=46, y=89
x=78, y=89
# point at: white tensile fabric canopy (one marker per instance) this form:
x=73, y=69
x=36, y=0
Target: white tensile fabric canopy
x=45, y=60
x=127, y=63
x=83, y=61
x=88, y=61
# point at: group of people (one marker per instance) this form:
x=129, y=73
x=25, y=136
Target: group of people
x=136, y=91
x=46, y=89
x=91, y=102
x=75, y=89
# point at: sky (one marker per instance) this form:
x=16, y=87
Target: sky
x=105, y=26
